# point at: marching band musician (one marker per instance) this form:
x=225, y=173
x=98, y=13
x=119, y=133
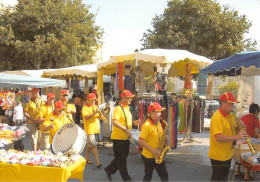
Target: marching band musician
x=122, y=125
x=90, y=115
x=69, y=108
x=150, y=136
x=31, y=112
x=44, y=111
x=55, y=120
x=223, y=134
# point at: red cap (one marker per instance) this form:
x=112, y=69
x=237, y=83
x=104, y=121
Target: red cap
x=64, y=92
x=58, y=105
x=155, y=106
x=228, y=97
x=50, y=95
x=92, y=96
x=34, y=89
x=126, y=93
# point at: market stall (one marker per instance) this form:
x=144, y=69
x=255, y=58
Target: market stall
x=20, y=81
x=12, y=136
x=129, y=71
x=74, y=74
x=39, y=166
x=246, y=65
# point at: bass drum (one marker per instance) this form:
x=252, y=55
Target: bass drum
x=70, y=139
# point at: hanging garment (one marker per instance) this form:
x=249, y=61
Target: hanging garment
x=112, y=84
x=127, y=80
x=162, y=76
x=142, y=88
x=120, y=76
x=116, y=91
x=182, y=125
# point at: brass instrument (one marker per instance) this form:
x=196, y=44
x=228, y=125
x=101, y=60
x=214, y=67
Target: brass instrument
x=241, y=126
x=102, y=112
x=163, y=147
x=67, y=116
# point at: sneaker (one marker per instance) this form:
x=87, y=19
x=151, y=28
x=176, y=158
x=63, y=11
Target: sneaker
x=108, y=174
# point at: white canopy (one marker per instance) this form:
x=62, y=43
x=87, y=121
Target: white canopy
x=88, y=70
x=147, y=59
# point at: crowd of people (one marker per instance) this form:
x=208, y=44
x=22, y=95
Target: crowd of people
x=44, y=118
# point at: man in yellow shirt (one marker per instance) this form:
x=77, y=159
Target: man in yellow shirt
x=55, y=120
x=150, y=136
x=223, y=134
x=44, y=111
x=122, y=125
x=90, y=115
x=31, y=112
x=69, y=108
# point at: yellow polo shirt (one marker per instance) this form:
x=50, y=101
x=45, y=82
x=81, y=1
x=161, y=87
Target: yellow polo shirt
x=44, y=111
x=118, y=134
x=152, y=134
x=32, y=108
x=58, y=122
x=225, y=124
x=92, y=125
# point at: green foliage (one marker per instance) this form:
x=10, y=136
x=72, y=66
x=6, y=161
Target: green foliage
x=200, y=26
x=39, y=34
x=232, y=87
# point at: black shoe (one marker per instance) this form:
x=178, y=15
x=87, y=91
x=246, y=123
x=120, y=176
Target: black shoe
x=128, y=179
x=108, y=174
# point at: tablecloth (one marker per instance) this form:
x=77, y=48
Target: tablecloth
x=18, y=172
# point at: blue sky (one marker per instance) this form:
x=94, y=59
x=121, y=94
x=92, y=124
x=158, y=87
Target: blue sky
x=125, y=21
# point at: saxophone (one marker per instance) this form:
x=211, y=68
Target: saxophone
x=164, y=148
x=241, y=126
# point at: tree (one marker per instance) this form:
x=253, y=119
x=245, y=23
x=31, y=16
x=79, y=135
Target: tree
x=199, y=26
x=232, y=87
x=48, y=34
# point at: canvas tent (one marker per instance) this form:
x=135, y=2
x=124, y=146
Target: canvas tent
x=21, y=81
x=147, y=60
x=247, y=65
x=88, y=70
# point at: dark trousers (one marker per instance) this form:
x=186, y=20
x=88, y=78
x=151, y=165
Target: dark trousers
x=149, y=165
x=220, y=170
x=121, y=151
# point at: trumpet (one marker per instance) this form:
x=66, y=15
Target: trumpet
x=102, y=112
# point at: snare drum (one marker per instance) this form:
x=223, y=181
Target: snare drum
x=69, y=139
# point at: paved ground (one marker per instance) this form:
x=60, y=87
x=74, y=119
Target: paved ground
x=189, y=162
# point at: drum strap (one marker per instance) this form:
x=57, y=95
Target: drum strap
x=124, y=115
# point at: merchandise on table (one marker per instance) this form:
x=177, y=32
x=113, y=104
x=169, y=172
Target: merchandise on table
x=37, y=158
x=251, y=159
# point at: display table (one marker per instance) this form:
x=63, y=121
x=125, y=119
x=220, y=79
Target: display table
x=18, y=172
x=242, y=147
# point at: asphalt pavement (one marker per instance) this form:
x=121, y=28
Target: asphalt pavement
x=188, y=162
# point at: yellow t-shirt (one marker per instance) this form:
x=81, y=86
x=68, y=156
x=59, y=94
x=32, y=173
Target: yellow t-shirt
x=58, y=122
x=92, y=125
x=70, y=106
x=44, y=111
x=118, y=134
x=32, y=108
x=225, y=124
x=152, y=134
